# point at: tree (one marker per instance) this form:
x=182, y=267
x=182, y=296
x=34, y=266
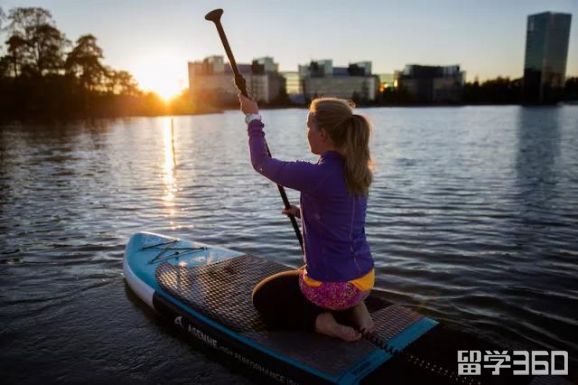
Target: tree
x=48, y=49
x=494, y=91
x=2, y=18
x=571, y=89
x=4, y=67
x=121, y=83
x=16, y=57
x=4, y=64
x=23, y=20
x=83, y=62
x=35, y=45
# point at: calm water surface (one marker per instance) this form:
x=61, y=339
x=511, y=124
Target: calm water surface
x=472, y=219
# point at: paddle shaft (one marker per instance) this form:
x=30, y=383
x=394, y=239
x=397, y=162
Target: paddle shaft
x=215, y=16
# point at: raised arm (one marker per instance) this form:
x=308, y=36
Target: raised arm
x=298, y=175
x=302, y=176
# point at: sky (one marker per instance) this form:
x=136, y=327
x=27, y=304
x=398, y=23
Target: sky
x=154, y=40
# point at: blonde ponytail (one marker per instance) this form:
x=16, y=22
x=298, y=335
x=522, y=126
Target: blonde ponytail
x=358, y=173
x=350, y=134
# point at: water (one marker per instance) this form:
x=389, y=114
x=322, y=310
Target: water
x=472, y=219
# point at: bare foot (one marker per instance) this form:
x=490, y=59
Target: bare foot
x=326, y=324
x=363, y=319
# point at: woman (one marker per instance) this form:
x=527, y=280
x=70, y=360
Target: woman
x=338, y=273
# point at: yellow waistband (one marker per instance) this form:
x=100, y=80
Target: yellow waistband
x=364, y=283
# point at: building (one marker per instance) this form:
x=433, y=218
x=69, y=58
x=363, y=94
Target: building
x=268, y=85
x=293, y=86
x=211, y=81
x=321, y=78
x=432, y=84
x=547, y=40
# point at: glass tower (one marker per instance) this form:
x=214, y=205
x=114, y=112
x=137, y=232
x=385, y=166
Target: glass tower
x=547, y=39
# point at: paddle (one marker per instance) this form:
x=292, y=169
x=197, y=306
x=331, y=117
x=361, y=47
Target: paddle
x=215, y=17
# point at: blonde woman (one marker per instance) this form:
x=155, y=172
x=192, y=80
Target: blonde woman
x=338, y=273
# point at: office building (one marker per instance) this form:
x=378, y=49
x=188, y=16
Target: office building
x=547, y=40
x=211, y=81
x=321, y=78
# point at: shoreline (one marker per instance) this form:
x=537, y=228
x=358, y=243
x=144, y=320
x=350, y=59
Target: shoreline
x=73, y=118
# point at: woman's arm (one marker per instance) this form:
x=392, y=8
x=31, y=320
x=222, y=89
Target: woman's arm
x=298, y=175
x=302, y=176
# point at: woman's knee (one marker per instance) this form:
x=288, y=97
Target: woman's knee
x=267, y=290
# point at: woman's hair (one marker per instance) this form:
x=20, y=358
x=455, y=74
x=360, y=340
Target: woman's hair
x=350, y=134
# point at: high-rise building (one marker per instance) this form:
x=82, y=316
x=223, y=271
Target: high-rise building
x=547, y=39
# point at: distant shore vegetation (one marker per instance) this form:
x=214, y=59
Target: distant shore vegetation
x=45, y=75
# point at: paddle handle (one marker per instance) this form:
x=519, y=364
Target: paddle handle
x=239, y=79
x=288, y=206
x=215, y=17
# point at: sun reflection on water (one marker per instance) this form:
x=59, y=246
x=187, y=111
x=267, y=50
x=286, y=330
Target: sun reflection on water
x=169, y=166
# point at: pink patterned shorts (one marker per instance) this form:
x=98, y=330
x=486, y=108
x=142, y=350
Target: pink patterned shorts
x=332, y=295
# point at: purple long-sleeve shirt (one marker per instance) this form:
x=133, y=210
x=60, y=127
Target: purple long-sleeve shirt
x=333, y=220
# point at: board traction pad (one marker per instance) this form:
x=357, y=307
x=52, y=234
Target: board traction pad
x=222, y=291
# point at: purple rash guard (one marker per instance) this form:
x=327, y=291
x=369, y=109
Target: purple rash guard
x=333, y=220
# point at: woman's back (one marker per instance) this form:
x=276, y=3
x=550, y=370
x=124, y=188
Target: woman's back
x=336, y=248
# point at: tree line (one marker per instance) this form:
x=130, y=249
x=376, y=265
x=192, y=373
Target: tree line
x=501, y=90
x=43, y=74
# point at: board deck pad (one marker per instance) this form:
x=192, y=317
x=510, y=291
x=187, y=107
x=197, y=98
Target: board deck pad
x=223, y=292
x=392, y=320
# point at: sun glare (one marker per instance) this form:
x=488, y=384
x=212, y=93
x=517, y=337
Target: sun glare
x=161, y=74
x=170, y=163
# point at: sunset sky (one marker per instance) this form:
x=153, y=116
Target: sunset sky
x=154, y=39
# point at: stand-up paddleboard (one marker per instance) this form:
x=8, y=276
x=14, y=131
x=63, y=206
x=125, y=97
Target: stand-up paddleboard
x=206, y=292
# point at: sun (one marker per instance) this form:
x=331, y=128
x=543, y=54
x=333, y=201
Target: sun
x=161, y=73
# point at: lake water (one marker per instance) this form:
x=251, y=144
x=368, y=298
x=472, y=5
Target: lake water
x=472, y=219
